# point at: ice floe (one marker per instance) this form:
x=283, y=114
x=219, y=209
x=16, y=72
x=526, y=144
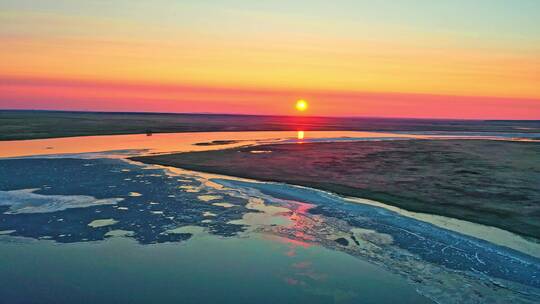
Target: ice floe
x=27, y=201
x=102, y=223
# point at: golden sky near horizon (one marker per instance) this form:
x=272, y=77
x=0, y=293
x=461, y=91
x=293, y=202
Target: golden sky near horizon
x=459, y=51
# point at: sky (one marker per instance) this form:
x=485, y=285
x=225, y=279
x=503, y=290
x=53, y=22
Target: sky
x=388, y=58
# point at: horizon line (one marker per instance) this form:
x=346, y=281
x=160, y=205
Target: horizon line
x=256, y=115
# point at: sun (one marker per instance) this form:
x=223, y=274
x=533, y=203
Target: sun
x=301, y=105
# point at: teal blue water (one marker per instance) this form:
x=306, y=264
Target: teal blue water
x=207, y=269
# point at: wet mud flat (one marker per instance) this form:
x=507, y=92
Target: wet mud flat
x=483, y=181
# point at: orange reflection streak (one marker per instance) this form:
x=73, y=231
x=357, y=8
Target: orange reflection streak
x=300, y=135
x=300, y=223
x=164, y=142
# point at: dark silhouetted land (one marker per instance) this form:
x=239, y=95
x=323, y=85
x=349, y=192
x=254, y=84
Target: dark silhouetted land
x=48, y=124
x=495, y=183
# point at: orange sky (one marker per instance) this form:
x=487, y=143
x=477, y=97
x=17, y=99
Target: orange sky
x=108, y=96
x=406, y=58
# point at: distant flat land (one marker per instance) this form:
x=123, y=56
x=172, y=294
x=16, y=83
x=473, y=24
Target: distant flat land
x=495, y=183
x=48, y=124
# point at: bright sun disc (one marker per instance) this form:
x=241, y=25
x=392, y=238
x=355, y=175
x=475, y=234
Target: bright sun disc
x=301, y=105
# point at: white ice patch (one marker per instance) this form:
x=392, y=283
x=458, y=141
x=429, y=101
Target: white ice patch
x=26, y=201
x=119, y=233
x=102, y=223
x=224, y=205
x=207, y=198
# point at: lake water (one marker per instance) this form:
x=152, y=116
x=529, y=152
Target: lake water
x=79, y=223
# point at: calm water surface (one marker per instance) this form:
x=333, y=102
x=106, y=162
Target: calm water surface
x=206, y=269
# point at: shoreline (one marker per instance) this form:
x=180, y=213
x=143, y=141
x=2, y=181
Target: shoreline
x=492, y=234
x=226, y=162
